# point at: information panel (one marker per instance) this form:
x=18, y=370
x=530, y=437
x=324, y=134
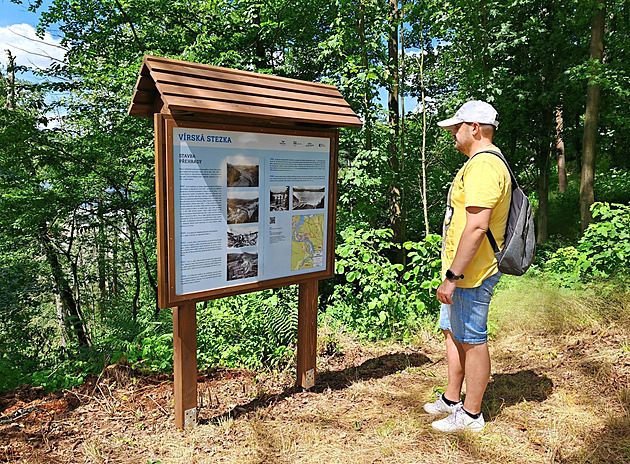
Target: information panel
x=247, y=207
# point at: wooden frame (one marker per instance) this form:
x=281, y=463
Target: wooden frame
x=167, y=296
x=192, y=95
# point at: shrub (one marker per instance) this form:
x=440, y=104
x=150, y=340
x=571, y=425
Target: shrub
x=376, y=298
x=606, y=241
x=603, y=250
x=255, y=330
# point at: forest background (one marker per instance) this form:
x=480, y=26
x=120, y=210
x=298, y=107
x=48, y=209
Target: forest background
x=77, y=202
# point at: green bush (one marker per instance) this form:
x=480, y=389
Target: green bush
x=612, y=185
x=151, y=350
x=376, y=298
x=256, y=330
x=606, y=241
x=603, y=250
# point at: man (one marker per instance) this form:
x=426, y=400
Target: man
x=479, y=199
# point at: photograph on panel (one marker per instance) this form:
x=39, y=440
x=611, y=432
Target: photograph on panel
x=308, y=197
x=242, y=236
x=242, y=265
x=242, y=171
x=242, y=206
x=279, y=198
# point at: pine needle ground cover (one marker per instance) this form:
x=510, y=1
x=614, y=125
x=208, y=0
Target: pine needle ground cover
x=559, y=392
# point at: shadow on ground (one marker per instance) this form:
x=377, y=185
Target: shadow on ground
x=506, y=390
x=374, y=368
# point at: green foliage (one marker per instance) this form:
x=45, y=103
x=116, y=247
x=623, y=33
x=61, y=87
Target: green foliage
x=565, y=266
x=55, y=371
x=65, y=374
x=152, y=351
x=606, y=242
x=77, y=199
x=604, y=250
x=378, y=299
x=612, y=185
x=280, y=317
x=257, y=330
x=424, y=271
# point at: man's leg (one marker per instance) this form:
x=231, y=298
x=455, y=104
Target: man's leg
x=469, y=322
x=477, y=373
x=476, y=365
x=455, y=358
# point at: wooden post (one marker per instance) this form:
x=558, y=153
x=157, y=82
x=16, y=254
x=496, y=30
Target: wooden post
x=307, y=334
x=185, y=364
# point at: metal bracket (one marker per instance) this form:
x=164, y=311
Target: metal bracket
x=309, y=378
x=190, y=418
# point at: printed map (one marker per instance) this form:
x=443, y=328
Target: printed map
x=307, y=249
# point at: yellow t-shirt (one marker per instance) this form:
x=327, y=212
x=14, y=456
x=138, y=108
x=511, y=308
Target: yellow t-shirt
x=483, y=181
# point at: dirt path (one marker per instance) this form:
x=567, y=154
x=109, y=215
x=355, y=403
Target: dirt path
x=552, y=398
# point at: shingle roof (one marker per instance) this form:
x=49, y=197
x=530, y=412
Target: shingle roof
x=173, y=85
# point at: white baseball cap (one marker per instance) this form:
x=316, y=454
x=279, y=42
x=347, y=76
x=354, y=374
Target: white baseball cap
x=473, y=111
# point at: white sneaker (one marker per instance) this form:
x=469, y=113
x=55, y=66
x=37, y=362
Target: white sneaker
x=459, y=421
x=439, y=406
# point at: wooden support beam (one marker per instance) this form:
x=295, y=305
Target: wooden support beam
x=185, y=364
x=307, y=334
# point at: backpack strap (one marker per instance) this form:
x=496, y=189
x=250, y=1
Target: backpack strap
x=493, y=242
x=491, y=238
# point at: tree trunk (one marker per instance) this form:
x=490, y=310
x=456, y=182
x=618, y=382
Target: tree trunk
x=543, y=155
x=589, y=140
x=62, y=288
x=367, y=114
x=11, y=80
x=133, y=229
x=261, y=58
x=560, y=157
x=136, y=266
x=483, y=11
x=61, y=320
x=115, y=266
x=394, y=189
x=100, y=247
x=542, y=215
x=423, y=151
x=512, y=145
x=401, y=124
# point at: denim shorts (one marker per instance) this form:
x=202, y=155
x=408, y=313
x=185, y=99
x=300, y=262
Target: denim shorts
x=467, y=317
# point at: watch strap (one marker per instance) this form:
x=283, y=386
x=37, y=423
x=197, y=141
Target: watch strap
x=450, y=275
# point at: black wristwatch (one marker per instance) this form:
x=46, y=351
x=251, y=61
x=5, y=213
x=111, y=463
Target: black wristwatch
x=450, y=275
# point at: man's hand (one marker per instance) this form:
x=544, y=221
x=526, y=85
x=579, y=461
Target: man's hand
x=445, y=291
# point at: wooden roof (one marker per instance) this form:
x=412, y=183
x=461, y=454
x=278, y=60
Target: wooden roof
x=173, y=86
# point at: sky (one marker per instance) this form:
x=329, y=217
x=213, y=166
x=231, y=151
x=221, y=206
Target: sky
x=17, y=33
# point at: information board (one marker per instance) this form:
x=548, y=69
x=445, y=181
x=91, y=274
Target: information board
x=246, y=206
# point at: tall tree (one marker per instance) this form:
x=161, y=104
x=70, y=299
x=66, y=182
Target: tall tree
x=593, y=91
x=395, y=152
x=560, y=153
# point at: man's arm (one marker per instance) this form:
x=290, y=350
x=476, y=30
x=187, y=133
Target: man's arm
x=477, y=223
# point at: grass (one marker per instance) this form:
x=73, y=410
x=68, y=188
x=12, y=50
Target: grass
x=559, y=393
x=529, y=304
x=550, y=398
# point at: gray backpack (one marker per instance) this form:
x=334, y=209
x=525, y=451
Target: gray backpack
x=520, y=239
